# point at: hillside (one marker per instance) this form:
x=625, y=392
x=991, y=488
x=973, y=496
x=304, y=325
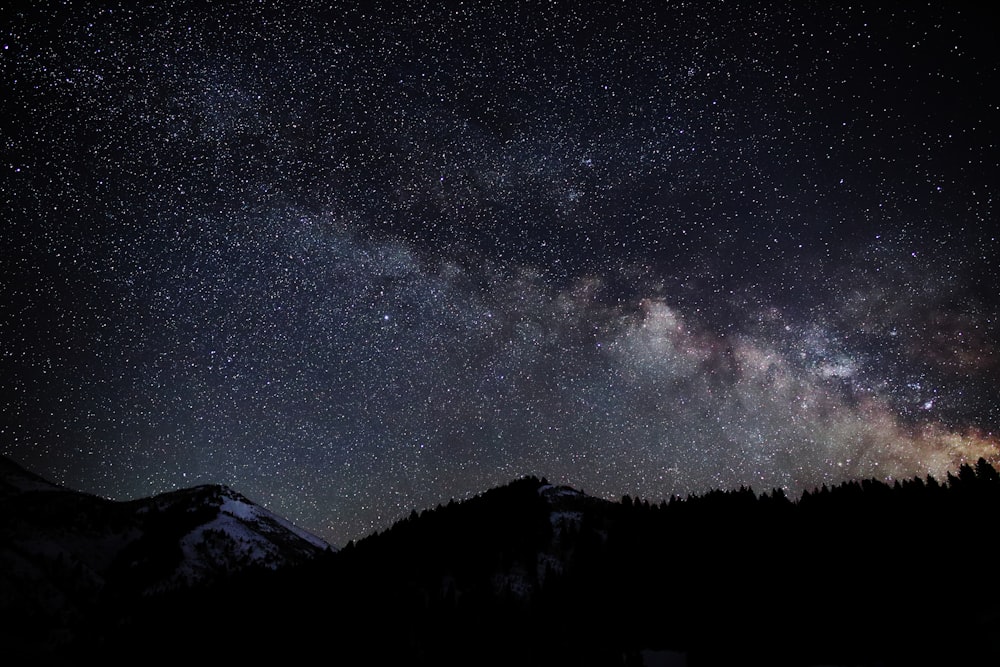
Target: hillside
x=864, y=573
x=65, y=554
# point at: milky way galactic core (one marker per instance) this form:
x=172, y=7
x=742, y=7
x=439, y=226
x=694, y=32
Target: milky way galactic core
x=354, y=259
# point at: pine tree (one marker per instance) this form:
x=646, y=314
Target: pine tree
x=985, y=472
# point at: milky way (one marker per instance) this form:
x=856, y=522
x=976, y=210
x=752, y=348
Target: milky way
x=354, y=259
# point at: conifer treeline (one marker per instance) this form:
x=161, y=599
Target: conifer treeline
x=862, y=572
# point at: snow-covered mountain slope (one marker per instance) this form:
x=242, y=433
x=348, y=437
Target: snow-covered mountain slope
x=61, y=547
x=232, y=533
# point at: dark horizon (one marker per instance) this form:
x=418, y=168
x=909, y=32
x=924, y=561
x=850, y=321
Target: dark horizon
x=523, y=573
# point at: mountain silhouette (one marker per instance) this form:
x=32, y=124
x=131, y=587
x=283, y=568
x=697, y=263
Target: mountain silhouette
x=66, y=554
x=531, y=573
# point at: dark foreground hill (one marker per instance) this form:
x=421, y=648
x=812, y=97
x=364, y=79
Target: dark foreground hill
x=533, y=574
x=70, y=561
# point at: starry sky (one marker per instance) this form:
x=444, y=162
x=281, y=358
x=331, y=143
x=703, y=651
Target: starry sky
x=356, y=258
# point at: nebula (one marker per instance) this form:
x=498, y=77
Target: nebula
x=354, y=261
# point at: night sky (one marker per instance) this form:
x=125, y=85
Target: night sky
x=355, y=259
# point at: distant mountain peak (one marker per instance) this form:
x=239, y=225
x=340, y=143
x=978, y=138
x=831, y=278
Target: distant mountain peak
x=182, y=537
x=16, y=479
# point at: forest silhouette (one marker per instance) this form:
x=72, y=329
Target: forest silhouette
x=864, y=572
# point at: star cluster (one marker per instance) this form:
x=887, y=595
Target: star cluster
x=358, y=258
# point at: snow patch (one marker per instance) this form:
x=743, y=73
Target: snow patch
x=239, y=507
x=515, y=582
x=548, y=563
x=562, y=519
x=552, y=492
x=242, y=534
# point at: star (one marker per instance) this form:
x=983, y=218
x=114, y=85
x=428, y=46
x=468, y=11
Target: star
x=358, y=262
